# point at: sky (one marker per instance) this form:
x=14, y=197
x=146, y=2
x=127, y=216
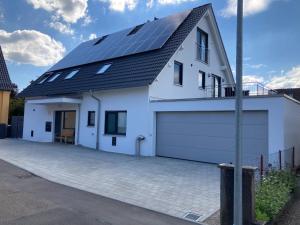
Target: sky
x=35, y=34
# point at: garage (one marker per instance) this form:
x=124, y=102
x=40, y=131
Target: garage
x=209, y=136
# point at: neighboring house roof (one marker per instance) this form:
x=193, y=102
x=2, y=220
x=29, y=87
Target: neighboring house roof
x=293, y=92
x=5, y=82
x=128, y=71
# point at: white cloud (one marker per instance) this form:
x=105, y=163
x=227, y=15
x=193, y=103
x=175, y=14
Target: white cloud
x=291, y=79
x=250, y=7
x=87, y=20
x=255, y=66
x=253, y=79
x=31, y=47
x=62, y=28
x=92, y=36
x=150, y=3
x=69, y=10
x=121, y=5
x=169, y=2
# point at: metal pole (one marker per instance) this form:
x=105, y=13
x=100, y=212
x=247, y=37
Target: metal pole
x=238, y=197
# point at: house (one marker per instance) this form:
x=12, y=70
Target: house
x=161, y=88
x=6, y=86
x=292, y=92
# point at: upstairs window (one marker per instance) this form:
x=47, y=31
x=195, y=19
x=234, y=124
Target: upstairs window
x=135, y=30
x=201, y=79
x=103, y=68
x=178, y=73
x=202, y=45
x=52, y=78
x=71, y=74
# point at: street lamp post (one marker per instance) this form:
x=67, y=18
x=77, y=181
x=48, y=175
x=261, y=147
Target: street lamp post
x=238, y=197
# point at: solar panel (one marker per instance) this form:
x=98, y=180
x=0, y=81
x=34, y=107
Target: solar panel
x=149, y=36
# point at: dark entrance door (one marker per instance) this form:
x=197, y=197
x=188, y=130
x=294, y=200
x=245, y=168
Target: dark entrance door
x=65, y=122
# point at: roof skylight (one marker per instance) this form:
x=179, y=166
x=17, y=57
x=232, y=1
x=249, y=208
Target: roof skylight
x=104, y=68
x=46, y=76
x=54, y=77
x=136, y=29
x=71, y=74
x=100, y=40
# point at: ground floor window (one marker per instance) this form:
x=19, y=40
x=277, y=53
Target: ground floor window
x=115, y=122
x=91, y=118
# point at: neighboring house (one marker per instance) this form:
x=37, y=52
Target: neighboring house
x=168, y=80
x=6, y=86
x=292, y=92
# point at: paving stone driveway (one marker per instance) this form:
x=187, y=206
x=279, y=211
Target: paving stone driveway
x=170, y=186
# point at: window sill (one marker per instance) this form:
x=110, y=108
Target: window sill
x=178, y=85
x=204, y=62
x=115, y=135
x=90, y=126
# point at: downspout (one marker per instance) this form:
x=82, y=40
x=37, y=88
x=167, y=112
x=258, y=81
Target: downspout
x=78, y=129
x=98, y=119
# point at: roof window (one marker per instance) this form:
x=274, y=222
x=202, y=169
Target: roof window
x=71, y=74
x=136, y=29
x=46, y=76
x=100, y=40
x=52, y=78
x=103, y=68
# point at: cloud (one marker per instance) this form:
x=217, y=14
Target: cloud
x=253, y=79
x=62, y=28
x=250, y=7
x=255, y=66
x=121, y=5
x=87, y=20
x=92, y=36
x=291, y=79
x=69, y=10
x=31, y=47
x=172, y=2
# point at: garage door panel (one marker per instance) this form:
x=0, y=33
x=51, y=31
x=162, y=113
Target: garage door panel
x=209, y=136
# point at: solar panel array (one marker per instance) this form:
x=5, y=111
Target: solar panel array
x=152, y=35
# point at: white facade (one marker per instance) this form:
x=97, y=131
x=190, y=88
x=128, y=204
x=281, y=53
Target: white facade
x=164, y=88
x=142, y=104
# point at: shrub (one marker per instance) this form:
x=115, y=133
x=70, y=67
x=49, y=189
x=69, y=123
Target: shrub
x=273, y=193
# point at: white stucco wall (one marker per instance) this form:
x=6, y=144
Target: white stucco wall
x=135, y=102
x=292, y=127
x=35, y=117
x=164, y=88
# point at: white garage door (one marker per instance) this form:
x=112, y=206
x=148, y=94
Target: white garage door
x=209, y=136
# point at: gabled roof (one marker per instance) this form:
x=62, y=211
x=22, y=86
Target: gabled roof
x=133, y=70
x=5, y=82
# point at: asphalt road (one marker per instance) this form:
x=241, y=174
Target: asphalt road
x=26, y=199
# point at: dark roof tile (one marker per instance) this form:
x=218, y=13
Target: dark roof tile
x=130, y=71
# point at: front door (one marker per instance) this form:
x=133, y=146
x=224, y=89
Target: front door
x=65, y=122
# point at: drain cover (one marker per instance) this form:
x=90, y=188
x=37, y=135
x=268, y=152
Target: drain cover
x=192, y=216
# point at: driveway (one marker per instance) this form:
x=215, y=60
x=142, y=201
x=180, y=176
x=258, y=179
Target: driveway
x=173, y=187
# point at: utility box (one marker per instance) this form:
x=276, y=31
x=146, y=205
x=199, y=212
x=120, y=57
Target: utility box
x=227, y=194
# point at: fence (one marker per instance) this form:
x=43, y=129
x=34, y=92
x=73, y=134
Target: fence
x=281, y=160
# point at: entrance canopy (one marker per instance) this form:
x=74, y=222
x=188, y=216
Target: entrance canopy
x=61, y=100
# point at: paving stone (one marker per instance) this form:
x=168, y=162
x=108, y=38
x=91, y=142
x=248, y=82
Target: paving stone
x=170, y=186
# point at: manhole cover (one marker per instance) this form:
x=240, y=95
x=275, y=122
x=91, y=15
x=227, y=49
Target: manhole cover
x=192, y=216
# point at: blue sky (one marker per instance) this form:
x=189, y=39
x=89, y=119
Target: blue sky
x=34, y=34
